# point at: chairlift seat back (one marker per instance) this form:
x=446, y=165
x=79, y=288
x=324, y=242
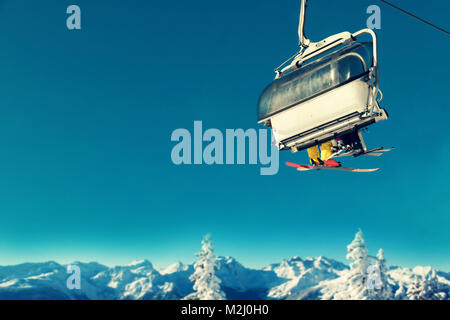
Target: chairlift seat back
x=321, y=99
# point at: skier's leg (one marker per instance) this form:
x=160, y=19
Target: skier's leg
x=326, y=150
x=313, y=154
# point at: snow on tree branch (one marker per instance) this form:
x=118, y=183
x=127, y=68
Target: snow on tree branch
x=206, y=283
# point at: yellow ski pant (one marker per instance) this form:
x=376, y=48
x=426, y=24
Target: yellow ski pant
x=325, y=151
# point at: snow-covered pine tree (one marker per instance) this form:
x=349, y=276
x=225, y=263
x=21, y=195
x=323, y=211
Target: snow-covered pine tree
x=432, y=287
x=356, y=280
x=415, y=289
x=357, y=283
x=206, y=283
x=385, y=292
x=424, y=288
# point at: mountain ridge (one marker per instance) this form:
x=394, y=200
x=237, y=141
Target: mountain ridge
x=292, y=278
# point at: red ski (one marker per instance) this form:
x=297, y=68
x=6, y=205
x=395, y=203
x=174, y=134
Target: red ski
x=302, y=167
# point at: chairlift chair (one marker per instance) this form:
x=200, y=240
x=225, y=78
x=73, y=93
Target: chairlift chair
x=328, y=91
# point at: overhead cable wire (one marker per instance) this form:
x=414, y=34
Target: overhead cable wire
x=416, y=17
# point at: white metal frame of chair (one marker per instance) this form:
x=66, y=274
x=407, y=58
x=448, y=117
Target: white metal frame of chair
x=311, y=50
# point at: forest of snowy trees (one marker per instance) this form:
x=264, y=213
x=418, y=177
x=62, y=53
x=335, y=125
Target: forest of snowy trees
x=367, y=278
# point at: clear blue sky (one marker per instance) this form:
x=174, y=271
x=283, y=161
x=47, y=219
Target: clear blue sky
x=86, y=118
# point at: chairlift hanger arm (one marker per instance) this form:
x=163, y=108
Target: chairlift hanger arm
x=311, y=49
x=303, y=41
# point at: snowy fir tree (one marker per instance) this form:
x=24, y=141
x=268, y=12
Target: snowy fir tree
x=206, y=283
x=357, y=251
x=415, y=290
x=424, y=288
x=385, y=290
x=353, y=285
x=432, y=287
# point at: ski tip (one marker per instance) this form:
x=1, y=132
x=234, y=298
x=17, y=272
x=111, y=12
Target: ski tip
x=366, y=170
x=373, y=154
x=291, y=164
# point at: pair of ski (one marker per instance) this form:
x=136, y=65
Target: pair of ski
x=302, y=167
x=374, y=152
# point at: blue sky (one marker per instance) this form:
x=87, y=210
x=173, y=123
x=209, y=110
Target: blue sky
x=86, y=118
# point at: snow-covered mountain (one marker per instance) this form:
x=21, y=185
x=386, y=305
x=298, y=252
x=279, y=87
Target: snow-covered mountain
x=303, y=274
x=294, y=278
